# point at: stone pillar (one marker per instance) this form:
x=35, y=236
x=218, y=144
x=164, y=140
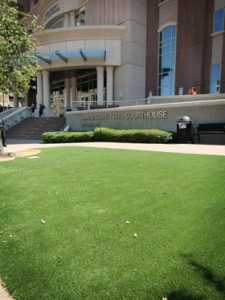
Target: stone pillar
x=72, y=18
x=26, y=99
x=66, y=20
x=67, y=91
x=39, y=97
x=100, y=85
x=15, y=100
x=46, y=89
x=109, y=71
x=73, y=88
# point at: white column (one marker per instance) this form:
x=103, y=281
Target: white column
x=100, y=85
x=26, y=99
x=73, y=88
x=39, y=97
x=66, y=20
x=67, y=91
x=109, y=71
x=15, y=100
x=46, y=89
x=72, y=18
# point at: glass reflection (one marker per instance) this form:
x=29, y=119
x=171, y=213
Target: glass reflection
x=215, y=78
x=218, y=20
x=167, y=61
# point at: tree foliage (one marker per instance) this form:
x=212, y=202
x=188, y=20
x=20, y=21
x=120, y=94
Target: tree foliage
x=18, y=64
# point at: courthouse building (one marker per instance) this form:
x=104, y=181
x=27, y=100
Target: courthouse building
x=97, y=53
x=92, y=53
x=185, y=46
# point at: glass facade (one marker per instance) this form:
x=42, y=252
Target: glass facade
x=80, y=18
x=57, y=23
x=218, y=24
x=215, y=78
x=167, y=61
x=86, y=80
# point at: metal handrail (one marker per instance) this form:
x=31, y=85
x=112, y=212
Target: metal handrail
x=7, y=112
x=86, y=105
x=15, y=116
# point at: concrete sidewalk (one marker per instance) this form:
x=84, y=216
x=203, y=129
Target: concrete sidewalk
x=15, y=146
x=4, y=295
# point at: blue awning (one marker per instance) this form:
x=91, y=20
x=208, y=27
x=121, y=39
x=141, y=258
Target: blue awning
x=95, y=53
x=49, y=57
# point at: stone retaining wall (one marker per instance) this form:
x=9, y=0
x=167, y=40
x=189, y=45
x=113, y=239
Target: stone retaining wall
x=160, y=116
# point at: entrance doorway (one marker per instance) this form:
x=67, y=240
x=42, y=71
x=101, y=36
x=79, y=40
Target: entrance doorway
x=82, y=94
x=86, y=89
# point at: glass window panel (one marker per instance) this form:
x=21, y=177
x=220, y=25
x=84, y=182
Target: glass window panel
x=172, y=79
x=215, y=78
x=167, y=61
x=215, y=72
x=173, y=48
x=219, y=14
x=173, y=61
x=166, y=43
x=173, y=40
x=166, y=34
x=166, y=50
x=165, y=91
x=218, y=24
x=172, y=90
x=165, y=80
x=58, y=23
x=80, y=18
x=160, y=81
x=173, y=31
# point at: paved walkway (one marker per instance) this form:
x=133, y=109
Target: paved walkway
x=16, y=146
x=4, y=295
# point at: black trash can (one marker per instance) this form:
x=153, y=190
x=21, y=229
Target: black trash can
x=185, y=130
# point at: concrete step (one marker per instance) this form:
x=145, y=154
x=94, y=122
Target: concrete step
x=33, y=128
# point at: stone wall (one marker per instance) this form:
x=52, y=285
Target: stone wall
x=159, y=116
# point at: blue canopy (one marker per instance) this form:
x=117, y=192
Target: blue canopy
x=49, y=57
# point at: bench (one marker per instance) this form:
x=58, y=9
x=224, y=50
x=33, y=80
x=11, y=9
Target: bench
x=210, y=128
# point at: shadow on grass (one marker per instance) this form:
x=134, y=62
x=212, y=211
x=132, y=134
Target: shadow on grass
x=183, y=295
x=207, y=274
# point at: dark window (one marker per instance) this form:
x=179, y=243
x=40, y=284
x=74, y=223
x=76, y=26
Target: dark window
x=80, y=18
x=56, y=23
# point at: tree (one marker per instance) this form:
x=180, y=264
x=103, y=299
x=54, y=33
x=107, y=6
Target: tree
x=18, y=64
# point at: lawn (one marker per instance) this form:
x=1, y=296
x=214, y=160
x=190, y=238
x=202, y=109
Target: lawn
x=81, y=223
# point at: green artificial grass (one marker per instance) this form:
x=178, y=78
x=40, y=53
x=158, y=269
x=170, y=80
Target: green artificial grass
x=80, y=223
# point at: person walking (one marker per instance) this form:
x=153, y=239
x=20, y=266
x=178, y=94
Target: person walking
x=41, y=110
x=33, y=108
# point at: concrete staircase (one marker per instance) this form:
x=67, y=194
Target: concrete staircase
x=32, y=128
